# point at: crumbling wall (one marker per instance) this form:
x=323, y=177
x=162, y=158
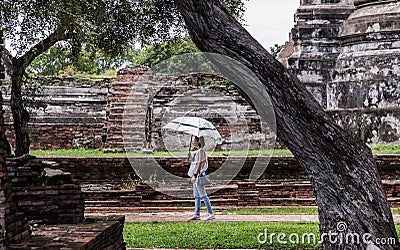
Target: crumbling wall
x=44, y=193
x=346, y=52
x=364, y=95
x=140, y=102
x=316, y=43
x=119, y=93
x=78, y=113
x=238, y=123
x=72, y=116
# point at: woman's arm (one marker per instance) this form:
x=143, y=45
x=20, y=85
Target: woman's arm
x=201, y=162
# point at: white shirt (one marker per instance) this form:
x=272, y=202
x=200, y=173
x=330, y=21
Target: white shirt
x=195, y=162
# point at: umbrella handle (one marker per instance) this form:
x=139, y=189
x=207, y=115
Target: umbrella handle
x=190, y=144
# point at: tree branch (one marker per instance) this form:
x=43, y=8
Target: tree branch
x=7, y=60
x=58, y=35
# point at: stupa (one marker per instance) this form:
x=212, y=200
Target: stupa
x=348, y=53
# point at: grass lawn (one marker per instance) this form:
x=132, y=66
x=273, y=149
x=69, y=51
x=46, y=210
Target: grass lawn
x=83, y=152
x=100, y=153
x=200, y=235
x=211, y=235
x=394, y=149
x=384, y=149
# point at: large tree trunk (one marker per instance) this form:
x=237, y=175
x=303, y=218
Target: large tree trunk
x=19, y=112
x=342, y=169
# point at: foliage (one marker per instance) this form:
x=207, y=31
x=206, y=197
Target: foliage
x=106, y=25
x=157, y=53
x=130, y=183
x=51, y=62
x=31, y=22
x=32, y=27
x=109, y=73
x=274, y=51
x=60, y=60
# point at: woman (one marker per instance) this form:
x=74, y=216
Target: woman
x=199, y=166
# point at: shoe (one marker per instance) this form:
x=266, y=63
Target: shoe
x=209, y=217
x=194, y=217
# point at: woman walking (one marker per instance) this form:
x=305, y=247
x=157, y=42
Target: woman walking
x=198, y=167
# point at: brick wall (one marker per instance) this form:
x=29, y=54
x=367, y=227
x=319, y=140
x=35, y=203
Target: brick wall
x=115, y=170
x=111, y=238
x=61, y=136
x=282, y=183
x=74, y=117
x=140, y=101
x=105, y=170
x=81, y=116
x=243, y=194
x=81, y=113
x=45, y=193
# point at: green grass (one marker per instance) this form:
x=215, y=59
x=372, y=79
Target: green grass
x=200, y=235
x=384, y=149
x=233, y=153
x=394, y=149
x=99, y=153
x=110, y=72
x=396, y=210
x=210, y=235
x=75, y=153
x=272, y=211
x=253, y=152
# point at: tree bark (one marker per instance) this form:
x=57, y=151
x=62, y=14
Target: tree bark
x=18, y=109
x=341, y=168
x=19, y=112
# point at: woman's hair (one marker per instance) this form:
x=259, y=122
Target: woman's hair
x=200, y=140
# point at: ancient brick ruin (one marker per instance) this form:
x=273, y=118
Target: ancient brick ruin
x=347, y=54
x=87, y=115
x=140, y=101
x=74, y=115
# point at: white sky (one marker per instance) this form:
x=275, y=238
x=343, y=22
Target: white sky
x=270, y=21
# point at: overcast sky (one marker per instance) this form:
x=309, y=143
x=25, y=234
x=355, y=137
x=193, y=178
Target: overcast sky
x=270, y=21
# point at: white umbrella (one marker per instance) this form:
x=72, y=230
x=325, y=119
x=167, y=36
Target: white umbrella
x=195, y=126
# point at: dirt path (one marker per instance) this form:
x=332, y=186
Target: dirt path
x=182, y=216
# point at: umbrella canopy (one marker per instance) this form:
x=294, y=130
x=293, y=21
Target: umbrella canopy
x=195, y=126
